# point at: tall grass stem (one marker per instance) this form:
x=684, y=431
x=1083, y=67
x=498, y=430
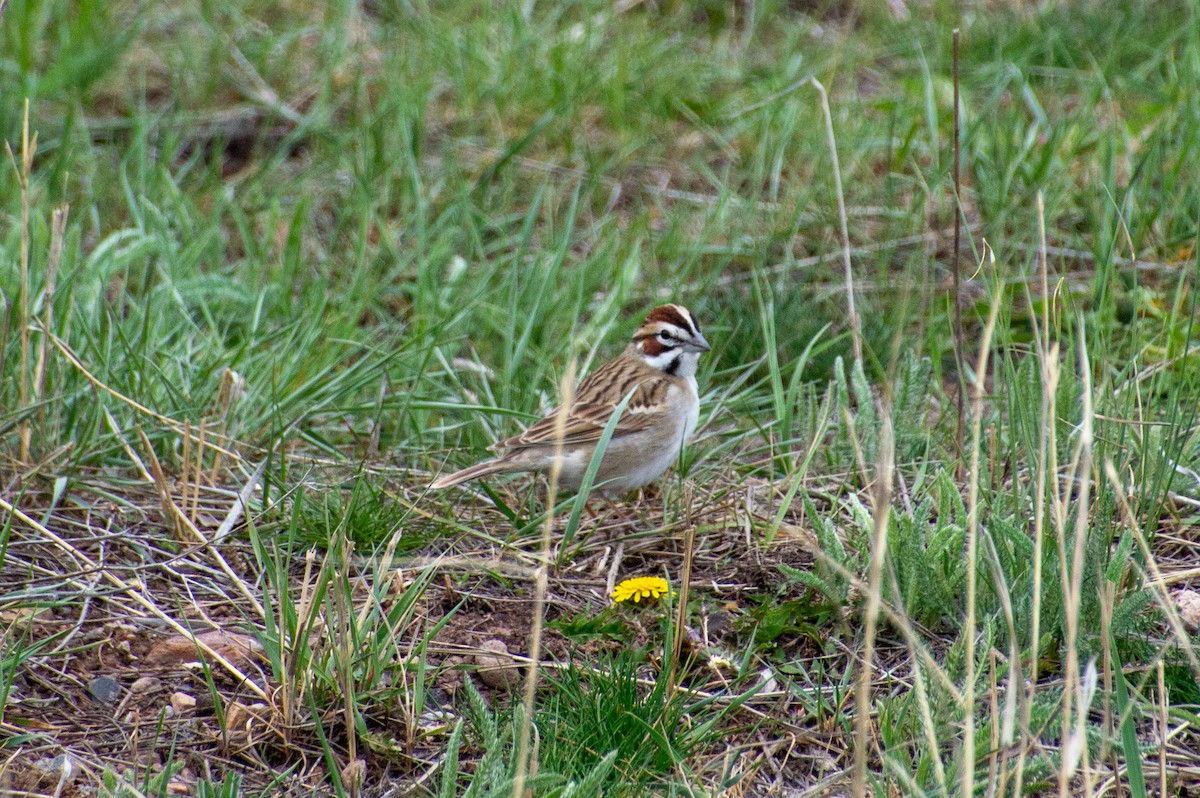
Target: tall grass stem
x=524, y=766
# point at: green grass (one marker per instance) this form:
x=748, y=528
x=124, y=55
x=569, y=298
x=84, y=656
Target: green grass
x=355, y=244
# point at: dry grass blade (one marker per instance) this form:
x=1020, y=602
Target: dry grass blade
x=972, y=542
x=58, y=227
x=881, y=505
x=238, y=509
x=28, y=148
x=831, y=141
x=685, y=585
x=1047, y=355
x=524, y=765
x=959, y=335
x=1162, y=724
x=1074, y=708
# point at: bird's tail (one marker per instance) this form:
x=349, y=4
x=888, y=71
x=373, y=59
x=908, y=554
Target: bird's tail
x=477, y=471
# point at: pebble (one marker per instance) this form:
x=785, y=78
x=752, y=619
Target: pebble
x=182, y=701
x=495, y=667
x=1188, y=602
x=61, y=766
x=105, y=689
x=145, y=684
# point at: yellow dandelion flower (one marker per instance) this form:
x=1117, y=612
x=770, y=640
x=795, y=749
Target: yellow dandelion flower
x=640, y=587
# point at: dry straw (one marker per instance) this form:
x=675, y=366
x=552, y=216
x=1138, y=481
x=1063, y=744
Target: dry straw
x=524, y=765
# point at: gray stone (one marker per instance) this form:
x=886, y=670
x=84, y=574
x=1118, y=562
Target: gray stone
x=105, y=689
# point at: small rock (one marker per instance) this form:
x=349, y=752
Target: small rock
x=146, y=684
x=1188, y=603
x=449, y=679
x=105, y=689
x=439, y=710
x=432, y=721
x=178, y=651
x=495, y=667
x=61, y=767
x=182, y=701
x=244, y=722
x=184, y=783
x=353, y=775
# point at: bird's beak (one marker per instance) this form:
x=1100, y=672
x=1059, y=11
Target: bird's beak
x=699, y=344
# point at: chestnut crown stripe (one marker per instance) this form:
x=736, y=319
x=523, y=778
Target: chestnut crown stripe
x=672, y=314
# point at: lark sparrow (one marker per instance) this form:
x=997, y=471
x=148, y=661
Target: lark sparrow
x=660, y=362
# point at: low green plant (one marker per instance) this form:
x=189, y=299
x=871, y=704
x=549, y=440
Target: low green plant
x=620, y=704
x=228, y=787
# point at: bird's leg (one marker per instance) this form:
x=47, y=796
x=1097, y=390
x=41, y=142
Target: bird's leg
x=643, y=503
x=612, y=506
x=618, y=555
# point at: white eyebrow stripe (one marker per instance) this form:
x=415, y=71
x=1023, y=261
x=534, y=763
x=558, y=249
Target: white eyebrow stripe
x=687, y=316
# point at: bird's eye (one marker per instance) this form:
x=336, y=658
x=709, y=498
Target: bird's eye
x=665, y=337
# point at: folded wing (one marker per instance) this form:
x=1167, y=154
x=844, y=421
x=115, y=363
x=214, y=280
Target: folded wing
x=595, y=401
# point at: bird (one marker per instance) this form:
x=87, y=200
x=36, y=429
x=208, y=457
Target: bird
x=659, y=368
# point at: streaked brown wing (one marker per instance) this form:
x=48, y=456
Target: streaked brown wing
x=596, y=399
